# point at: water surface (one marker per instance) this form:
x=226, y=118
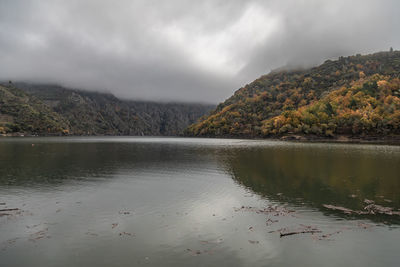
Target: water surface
x=195, y=202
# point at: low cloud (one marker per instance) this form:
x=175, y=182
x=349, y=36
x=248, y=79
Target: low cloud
x=182, y=50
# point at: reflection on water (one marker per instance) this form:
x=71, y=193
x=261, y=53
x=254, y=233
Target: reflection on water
x=317, y=174
x=195, y=202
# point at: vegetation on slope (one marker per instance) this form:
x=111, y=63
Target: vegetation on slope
x=281, y=102
x=20, y=112
x=89, y=113
x=370, y=106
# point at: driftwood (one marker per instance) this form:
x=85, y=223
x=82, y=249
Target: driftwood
x=2, y=210
x=342, y=209
x=300, y=232
x=370, y=209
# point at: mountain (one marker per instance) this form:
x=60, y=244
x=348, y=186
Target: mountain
x=21, y=112
x=352, y=96
x=76, y=112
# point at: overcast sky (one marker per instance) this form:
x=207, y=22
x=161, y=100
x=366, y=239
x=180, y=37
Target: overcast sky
x=183, y=50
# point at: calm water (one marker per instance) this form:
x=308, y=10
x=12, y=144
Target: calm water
x=195, y=202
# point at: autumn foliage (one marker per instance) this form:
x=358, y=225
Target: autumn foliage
x=356, y=95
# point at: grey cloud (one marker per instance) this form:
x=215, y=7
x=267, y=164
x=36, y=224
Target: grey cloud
x=179, y=50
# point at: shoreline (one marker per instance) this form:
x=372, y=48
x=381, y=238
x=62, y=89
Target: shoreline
x=342, y=139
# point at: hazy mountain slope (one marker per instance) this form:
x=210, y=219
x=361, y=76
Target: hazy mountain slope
x=89, y=113
x=248, y=112
x=21, y=112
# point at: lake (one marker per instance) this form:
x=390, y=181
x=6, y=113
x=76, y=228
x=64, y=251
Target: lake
x=119, y=201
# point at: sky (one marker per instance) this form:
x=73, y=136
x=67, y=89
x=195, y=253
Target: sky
x=182, y=50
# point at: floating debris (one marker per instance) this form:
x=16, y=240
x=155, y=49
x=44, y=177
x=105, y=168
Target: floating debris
x=39, y=235
x=254, y=242
x=14, y=209
x=370, y=209
x=306, y=229
x=114, y=225
x=270, y=221
x=124, y=212
x=126, y=233
x=10, y=212
x=9, y=242
x=343, y=209
x=364, y=225
x=328, y=236
x=368, y=201
x=91, y=234
x=33, y=226
x=12, y=241
x=274, y=210
x=300, y=232
x=218, y=241
x=374, y=208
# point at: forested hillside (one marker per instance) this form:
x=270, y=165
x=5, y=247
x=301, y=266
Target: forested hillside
x=23, y=113
x=47, y=109
x=356, y=95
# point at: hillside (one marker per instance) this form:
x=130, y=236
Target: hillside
x=88, y=113
x=356, y=95
x=21, y=112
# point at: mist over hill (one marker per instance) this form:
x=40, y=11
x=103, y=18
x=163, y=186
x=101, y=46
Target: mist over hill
x=54, y=110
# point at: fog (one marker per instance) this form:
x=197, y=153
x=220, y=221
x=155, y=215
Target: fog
x=179, y=50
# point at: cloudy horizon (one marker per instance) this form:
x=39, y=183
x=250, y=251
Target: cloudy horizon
x=181, y=50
